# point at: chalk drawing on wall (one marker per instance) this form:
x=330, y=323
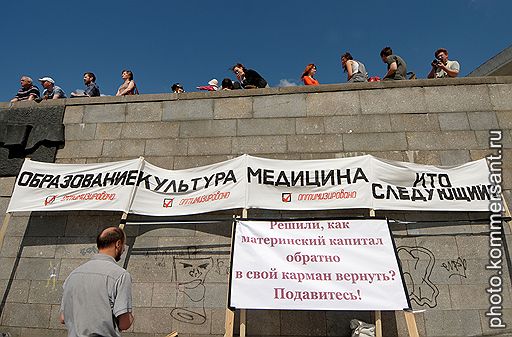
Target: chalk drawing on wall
x=421, y=263
x=190, y=289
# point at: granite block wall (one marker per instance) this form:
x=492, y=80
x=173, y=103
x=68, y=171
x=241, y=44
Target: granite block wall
x=443, y=254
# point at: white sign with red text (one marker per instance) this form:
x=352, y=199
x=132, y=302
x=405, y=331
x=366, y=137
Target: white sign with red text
x=315, y=265
x=60, y=187
x=309, y=184
x=198, y=190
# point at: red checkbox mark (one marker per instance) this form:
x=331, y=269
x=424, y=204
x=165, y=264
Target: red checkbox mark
x=286, y=197
x=168, y=203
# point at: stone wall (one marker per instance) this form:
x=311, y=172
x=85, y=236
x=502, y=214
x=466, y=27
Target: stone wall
x=443, y=255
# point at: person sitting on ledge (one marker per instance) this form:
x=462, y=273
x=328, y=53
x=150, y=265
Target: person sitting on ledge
x=177, y=88
x=397, y=69
x=249, y=79
x=51, y=91
x=128, y=87
x=91, y=90
x=308, y=75
x=356, y=71
x=442, y=67
x=27, y=92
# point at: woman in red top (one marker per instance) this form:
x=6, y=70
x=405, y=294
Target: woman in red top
x=307, y=75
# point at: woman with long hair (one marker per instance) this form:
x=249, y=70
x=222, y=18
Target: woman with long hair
x=128, y=87
x=308, y=75
x=356, y=71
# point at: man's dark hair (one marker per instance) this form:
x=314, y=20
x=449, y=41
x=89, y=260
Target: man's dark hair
x=91, y=75
x=386, y=51
x=109, y=236
x=440, y=50
x=238, y=65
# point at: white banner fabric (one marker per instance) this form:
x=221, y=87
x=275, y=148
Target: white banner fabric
x=409, y=186
x=315, y=265
x=60, y=187
x=251, y=182
x=198, y=190
x=309, y=184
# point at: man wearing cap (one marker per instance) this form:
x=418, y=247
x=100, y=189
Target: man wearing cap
x=27, y=92
x=51, y=91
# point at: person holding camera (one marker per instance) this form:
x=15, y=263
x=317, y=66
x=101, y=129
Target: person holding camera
x=442, y=67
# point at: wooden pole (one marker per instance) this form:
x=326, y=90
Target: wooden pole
x=132, y=197
x=243, y=322
x=243, y=312
x=3, y=230
x=412, y=328
x=229, y=322
x=507, y=212
x=123, y=220
x=378, y=314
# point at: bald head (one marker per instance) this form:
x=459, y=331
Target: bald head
x=109, y=236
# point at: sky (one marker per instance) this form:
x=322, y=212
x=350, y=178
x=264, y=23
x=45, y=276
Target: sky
x=191, y=42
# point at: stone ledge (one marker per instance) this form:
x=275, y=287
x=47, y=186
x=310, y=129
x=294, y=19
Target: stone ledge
x=271, y=91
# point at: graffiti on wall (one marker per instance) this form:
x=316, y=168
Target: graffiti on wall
x=422, y=265
x=190, y=289
x=422, y=290
x=191, y=268
x=456, y=267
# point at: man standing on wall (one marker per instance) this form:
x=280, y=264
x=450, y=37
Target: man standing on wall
x=97, y=297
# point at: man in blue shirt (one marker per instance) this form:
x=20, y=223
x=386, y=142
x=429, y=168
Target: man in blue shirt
x=91, y=90
x=51, y=91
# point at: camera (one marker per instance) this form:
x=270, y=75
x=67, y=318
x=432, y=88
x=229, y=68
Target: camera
x=436, y=62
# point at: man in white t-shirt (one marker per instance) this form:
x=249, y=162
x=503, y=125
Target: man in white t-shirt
x=442, y=67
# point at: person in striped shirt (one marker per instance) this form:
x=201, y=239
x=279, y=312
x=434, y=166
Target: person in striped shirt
x=27, y=92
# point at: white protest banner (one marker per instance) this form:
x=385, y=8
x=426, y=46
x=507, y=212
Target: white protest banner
x=408, y=186
x=315, y=265
x=308, y=184
x=60, y=187
x=251, y=182
x=198, y=190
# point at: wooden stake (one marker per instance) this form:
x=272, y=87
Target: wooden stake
x=243, y=312
x=378, y=324
x=378, y=314
x=412, y=328
x=123, y=220
x=229, y=322
x=132, y=197
x=3, y=230
x=507, y=212
x=243, y=321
